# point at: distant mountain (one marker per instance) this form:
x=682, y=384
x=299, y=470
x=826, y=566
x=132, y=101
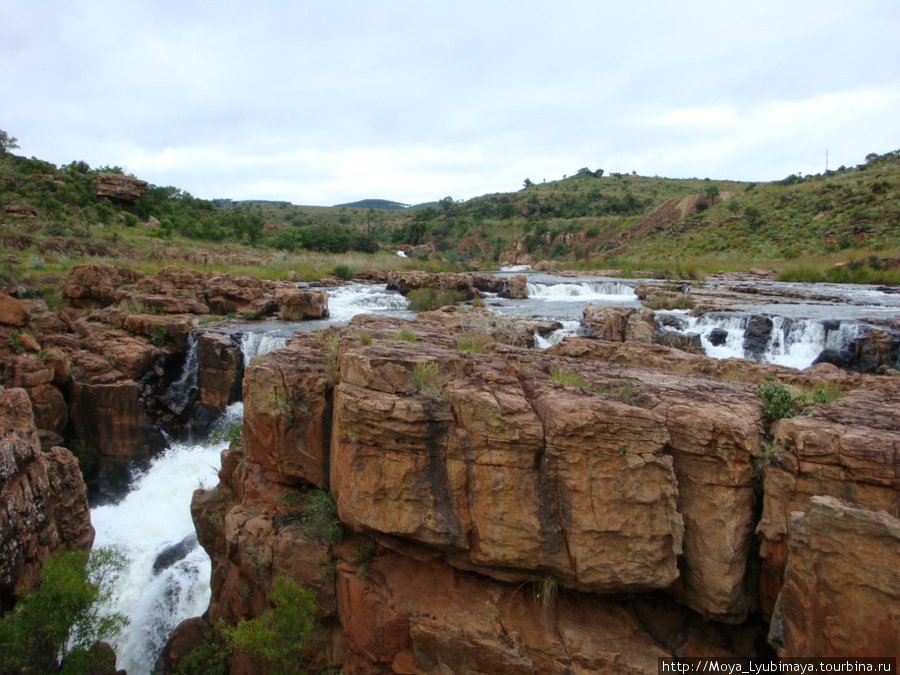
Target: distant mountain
x=376, y=204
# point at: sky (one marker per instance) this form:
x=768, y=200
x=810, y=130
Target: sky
x=321, y=103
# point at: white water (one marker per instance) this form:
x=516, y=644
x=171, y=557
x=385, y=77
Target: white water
x=591, y=291
x=154, y=516
x=253, y=344
x=345, y=302
x=793, y=342
x=569, y=328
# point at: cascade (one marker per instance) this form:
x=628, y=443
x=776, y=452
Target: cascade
x=586, y=290
x=166, y=579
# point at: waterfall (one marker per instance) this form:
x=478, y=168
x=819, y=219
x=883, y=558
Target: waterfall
x=585, y=290
x=569, y=328
x=253, y=344
x=344, y=302
x=166, y=579
x=790, y=342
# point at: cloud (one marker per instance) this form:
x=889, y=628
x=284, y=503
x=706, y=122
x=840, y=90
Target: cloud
x=330, y=102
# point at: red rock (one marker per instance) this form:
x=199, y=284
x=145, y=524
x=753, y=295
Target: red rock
x=43, y=500
x=841, y=594
x=119, y=187
x=287, y=417
x=12, y=311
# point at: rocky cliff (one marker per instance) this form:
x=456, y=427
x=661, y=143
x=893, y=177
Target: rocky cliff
x=563, y=511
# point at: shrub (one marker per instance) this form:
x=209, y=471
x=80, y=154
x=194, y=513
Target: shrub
x=405, y=334
x=56, y=626
x=428, y=299
x=343, y=272
x=158, y=334
x=779, y=402
x=319, y=517
x=281, y=635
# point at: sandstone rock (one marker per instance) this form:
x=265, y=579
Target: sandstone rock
x=296, y=304
x=516, y=288
x=469, y=468
x=411, y=617
x=43, y=500
x=841, y=594
x=287, y=414
x=119, y=187
x=847, y=450
x=621, y=324
x=94, y=285
x=12, y=311
x=219, y=370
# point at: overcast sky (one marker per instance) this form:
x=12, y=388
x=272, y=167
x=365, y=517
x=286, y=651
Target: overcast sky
x=414, y=100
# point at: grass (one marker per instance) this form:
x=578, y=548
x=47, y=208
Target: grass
x=405, y=334
x=559, y=375
x=660, y=302
x=429, y=299
x=429, y=379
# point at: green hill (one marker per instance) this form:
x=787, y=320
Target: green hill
x=588, y=220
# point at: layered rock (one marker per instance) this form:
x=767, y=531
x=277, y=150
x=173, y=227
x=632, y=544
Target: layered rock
x=494, y=470
x=119, y=187
x=287, y=411
x=841, y=593
x=847, y=450
x=43, y=499
x=219, y=370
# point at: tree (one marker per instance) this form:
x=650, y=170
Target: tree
x=528, y=183
x=55, y=627
x=7, y=142
x=712, y=192
x=281, y=635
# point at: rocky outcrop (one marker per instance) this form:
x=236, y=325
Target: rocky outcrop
x=220, y=365
x=12, y=311
x=841, y=593
x=119, y=187
x=287, y=411
x=847, y=450
x=43, y=500
x=635, y=324
x=471, y=283
x=295, y=304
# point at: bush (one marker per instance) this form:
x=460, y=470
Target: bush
x=281, y=635
x=428, y=299
x=343, y=272
x=56, y=626
x=779, y=402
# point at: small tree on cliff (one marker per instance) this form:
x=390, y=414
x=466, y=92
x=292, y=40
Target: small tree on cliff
x=281, y=635
x=7, y=142
x=56, y=627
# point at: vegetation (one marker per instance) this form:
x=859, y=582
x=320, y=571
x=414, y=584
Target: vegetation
x=428, y=379
x=55, y=627
x=779, y=402
x=559, y=375
x=430, y=299
x=592, y=219
x=660, y=302
x=281, y=635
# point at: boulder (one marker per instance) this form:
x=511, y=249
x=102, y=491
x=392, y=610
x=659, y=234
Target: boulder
x=119, y=187
x=12, y=311
x=516, y=288
x=621, y=324
x=296, y=304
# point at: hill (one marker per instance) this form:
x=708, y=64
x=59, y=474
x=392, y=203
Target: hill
x=54, y=216
x=377, y=204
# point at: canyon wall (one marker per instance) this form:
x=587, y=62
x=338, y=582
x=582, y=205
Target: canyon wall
x=527, y=511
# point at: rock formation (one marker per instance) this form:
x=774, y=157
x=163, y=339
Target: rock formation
x=43, y=499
